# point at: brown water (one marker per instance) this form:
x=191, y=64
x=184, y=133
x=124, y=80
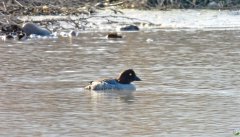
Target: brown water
x=190, y=87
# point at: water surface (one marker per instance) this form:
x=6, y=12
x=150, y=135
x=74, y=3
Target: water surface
x=190, y=85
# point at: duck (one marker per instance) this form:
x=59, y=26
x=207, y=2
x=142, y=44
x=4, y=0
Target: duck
x=122, y=82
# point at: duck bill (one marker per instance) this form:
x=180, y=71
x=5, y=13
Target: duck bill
x=137, y=79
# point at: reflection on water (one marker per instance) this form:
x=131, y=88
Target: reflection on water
x=190, y=85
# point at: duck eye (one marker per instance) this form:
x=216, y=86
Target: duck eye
x=130, y=74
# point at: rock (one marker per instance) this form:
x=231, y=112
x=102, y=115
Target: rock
x=10, y=28
x=30, y=28
x=130, y=28
x=113, y=35
x=73, y=33
x=63, y=34
x=22, y=36
x=213, y=5
x=11, y=32
x=7, y=37
x=100, y=5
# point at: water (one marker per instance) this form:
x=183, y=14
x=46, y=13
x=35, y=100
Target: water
x=190, y=85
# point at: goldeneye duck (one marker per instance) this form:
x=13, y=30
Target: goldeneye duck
x=122, y=82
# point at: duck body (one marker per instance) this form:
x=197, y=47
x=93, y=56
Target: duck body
x=123, y=82
x=110, y=84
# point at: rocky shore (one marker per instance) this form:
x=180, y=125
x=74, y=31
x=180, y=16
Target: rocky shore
x=60, y=15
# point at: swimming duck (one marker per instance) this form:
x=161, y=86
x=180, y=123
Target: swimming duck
x=122, y=82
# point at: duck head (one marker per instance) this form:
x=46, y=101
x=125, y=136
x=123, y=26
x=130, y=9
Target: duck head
x=127, y=76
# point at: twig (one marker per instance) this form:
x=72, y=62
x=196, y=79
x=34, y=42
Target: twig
x=192, y=3
x=162, y=1
x=73, y=21
x=19, y=3
x=7, y=20
x=4, y=6
x=2, y=22
x=111, y=16
x=116, y=11
x=119, y=3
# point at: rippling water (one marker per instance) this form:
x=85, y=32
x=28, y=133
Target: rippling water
x=190, y=87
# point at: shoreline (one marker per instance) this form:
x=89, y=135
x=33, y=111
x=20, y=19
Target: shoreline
x=146, y=20
x=111, y=21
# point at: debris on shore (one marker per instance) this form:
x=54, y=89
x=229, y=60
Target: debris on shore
x=83, y=15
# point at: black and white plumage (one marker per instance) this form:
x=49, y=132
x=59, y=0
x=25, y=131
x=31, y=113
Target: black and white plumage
x=122, y=82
